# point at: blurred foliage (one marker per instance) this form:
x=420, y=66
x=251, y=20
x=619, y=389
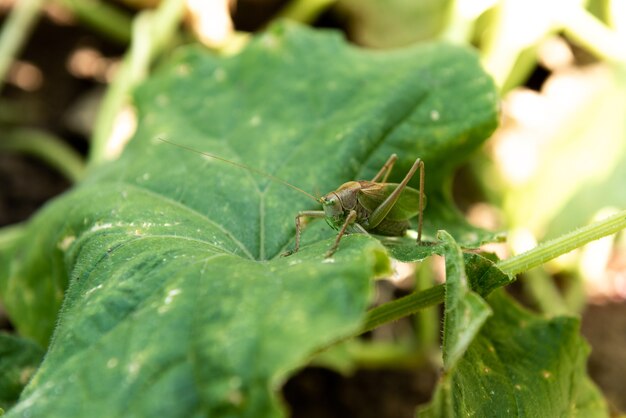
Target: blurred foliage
x=393, y=23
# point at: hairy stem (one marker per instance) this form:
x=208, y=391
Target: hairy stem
x=426, y=320
x=564, y=244
x=402, y=307
x=412, y=303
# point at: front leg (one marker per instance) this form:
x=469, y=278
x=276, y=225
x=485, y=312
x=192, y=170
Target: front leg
x=303, y=214
x=349, y=221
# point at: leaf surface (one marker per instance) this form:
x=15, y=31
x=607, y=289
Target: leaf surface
x=465, y=311
x=520, y=365
x=19, y=358
x=176, y=301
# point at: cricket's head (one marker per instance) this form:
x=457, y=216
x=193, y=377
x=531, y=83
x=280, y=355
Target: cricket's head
x=333, y=209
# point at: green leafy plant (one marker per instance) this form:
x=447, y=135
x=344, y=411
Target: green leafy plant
x=157, y=284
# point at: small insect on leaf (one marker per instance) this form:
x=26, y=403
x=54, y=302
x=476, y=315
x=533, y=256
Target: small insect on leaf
x=363, y=206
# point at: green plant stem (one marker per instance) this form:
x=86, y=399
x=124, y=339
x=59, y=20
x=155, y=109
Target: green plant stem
x=402, y=307
x=305, y=11
x=47, y=148
x=412, y=303
x=427, y=319
x=461, y=21
x=384, y=354
x=540, y=287
x=564, y=244
x=102, y=17
x=574, y=294
x=151, y=32
x=10, y=234
x=15, y=31
x=500, y=48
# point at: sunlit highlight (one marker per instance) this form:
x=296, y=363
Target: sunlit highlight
x=211, y=21
x=90, y=63
x=123, y=129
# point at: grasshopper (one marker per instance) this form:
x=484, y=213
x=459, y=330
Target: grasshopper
x=361, y=206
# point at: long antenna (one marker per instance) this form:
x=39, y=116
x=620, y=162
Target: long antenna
x=254, y=170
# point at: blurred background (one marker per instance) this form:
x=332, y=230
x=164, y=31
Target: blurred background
x=557, y=162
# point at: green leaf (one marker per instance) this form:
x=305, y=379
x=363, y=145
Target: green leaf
x=177, y=302
x=484, y=276
x=465, y=311
x=19, y=358
x=152, y=318
x=405, y=249
x=520, y=365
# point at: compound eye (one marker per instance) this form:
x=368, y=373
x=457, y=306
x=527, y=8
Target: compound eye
x=332, y=205
x=334, y=202
x=329, y=201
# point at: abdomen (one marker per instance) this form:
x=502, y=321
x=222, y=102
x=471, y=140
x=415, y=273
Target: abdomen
x=391, y=228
